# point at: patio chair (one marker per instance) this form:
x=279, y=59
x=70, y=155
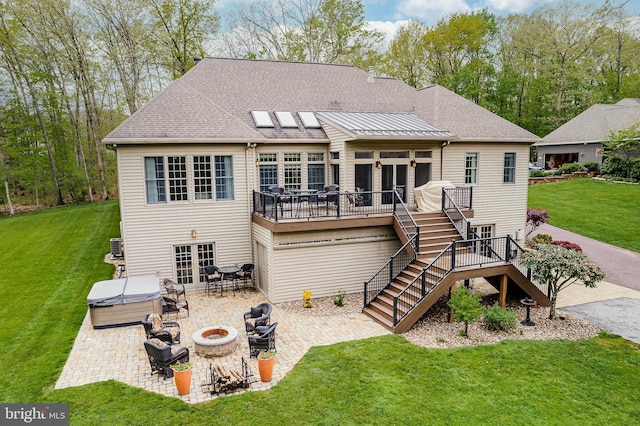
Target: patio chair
x=171, y=301
x=282, y=198
x=258, y=316
x=264, y=341
x=155, y=327
x=355, y=200
x=161, y=356
x=213, y=278
x=245, y=274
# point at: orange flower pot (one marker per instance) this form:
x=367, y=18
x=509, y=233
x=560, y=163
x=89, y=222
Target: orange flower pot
x=265, y=367
x=182, y=380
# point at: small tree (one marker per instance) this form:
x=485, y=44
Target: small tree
x=466, y=306
x=535, y=218
x=559, y=267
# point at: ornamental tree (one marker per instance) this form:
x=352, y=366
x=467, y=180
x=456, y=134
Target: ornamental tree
x=535, y=218
x=559, y=267
x=466, y=306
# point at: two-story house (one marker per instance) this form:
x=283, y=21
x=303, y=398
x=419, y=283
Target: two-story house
x=197, y=164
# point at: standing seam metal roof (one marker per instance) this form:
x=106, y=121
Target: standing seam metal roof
x=382, y=124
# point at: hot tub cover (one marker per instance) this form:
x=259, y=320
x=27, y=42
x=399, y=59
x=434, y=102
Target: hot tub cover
x=124, y=290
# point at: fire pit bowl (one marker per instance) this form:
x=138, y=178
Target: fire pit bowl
x=217, y=340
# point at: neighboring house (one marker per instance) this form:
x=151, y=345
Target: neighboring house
x=196, y=163
x=580, y=139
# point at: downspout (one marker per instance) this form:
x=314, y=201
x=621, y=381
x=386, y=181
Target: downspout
x=250, y=160
x=444, y=144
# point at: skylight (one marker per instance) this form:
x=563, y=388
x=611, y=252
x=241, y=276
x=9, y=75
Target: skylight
x=285, y=118
x=309, y=120
x=262, y=118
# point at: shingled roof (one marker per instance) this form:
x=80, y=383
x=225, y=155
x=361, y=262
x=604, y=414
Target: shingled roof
x=596, y=123
x=214, y=100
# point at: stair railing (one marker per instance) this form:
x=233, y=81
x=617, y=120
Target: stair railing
x=454, y=214
x=483, y=251
x=390, y=270
x=441, y=263
x=407, y=223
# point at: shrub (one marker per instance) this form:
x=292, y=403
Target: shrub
x=614, y=167
x=498, y=318
x=591, y=166
x=536, y=173
x=542, y=239
x=567, y=245
x=569, y=168
x=466, y=307
x=535, y=218
x=338, y=299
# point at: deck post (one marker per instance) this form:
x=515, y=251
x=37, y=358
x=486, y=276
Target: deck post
x=503, y=290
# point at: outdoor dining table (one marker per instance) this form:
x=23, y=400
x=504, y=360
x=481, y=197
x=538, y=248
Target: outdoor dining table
x=229, y=273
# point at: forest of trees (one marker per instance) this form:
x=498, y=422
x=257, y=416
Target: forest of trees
x=71, y=71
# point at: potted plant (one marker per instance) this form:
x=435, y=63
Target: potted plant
x=182, y=376
x=266, y=360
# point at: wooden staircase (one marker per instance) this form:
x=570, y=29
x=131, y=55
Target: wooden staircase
x=436, y=234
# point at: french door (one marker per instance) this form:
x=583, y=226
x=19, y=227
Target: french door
x=190, y=260
x=394, y=176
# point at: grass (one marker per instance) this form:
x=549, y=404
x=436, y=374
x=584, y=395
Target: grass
x=597, y=209
x=51, y=258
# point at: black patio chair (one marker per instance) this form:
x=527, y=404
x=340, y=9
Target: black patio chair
x=245, y=274
x=175, y=298
x=264, y=341
x=213, y=278
x=155, y=327
x=282, y=198
x=161, y=356
x=258, y=316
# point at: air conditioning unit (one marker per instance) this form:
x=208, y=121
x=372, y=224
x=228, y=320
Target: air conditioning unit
x=117, y=247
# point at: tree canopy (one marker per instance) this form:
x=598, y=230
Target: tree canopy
x=70, y=71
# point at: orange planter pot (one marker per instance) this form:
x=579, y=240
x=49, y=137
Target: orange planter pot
x=182, y=380
x=265, y=367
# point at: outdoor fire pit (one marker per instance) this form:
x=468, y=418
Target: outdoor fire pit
x=218, y=340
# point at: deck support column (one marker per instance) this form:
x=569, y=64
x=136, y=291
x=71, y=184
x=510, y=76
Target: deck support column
x=503, y=290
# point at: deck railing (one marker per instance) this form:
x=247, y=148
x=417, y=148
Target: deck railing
x=390, y=270
x=308, y=205
x=459, y=254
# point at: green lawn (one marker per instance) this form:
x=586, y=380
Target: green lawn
x=51, y=258
x=605, y=211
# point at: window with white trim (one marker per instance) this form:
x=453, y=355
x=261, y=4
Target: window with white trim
x=177, y=171
x=154, y=178
x=268, y=171
x=509, y=167
x=471, y=168
x=315, y=171
x=292, y=171
x=202, y=179
x=224, y=177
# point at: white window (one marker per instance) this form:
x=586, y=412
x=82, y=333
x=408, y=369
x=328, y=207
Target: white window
x=509, y=167
x=292, y=172
x=315, y=171
x=155, y=180
x=202, y=179
x=224, y=177
x=471, y=168
x=177, y=171
x=268, y=171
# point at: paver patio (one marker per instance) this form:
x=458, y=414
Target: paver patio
x=119, y=354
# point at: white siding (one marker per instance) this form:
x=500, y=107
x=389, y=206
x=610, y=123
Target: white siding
x=494, y=202
x=151, y=230
x=327, y=262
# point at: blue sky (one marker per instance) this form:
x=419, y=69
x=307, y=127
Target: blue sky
x=388, y=15
x=430, y=11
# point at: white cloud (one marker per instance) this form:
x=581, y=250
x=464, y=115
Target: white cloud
x=430, y=11
x=514, y=6
x=388, y=28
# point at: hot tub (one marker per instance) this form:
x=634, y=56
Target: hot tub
x=124, y=301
